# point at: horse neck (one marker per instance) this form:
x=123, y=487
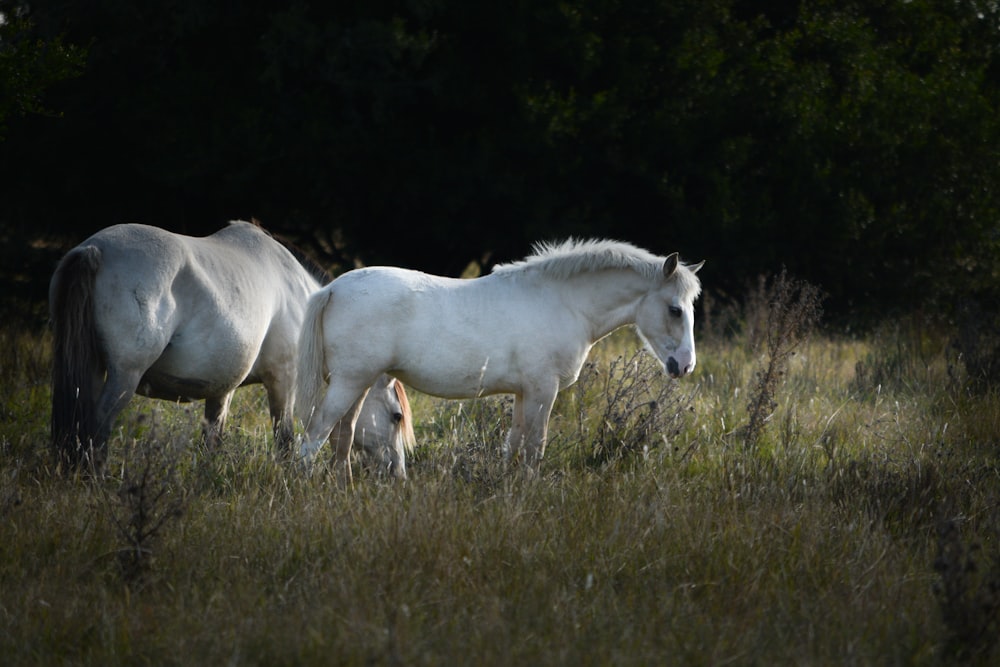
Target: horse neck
x=608, y=299
x=304, y=280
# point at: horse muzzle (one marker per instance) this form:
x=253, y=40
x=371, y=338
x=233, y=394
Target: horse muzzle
x=676, y=370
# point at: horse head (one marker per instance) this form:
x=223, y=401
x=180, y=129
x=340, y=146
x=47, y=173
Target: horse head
x=385, y=427
x=665, y=319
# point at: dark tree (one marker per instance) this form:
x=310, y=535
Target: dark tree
x=855, y=144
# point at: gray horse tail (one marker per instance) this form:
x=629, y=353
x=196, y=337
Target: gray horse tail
x=311, y=378
x=77, y=356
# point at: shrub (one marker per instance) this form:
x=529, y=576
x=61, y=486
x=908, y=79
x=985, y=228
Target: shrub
x=148, y=496
x=968, y=593
x=781, y=315
x=977, y=341
x=638, y=409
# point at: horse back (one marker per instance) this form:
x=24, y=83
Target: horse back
x=269, y=286
x=238, y=278
x=210, y=311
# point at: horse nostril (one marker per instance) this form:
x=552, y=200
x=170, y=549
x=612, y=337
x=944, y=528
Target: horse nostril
x=673, y=368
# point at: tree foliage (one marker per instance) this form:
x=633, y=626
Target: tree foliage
x=854, y=143
x=29, y=66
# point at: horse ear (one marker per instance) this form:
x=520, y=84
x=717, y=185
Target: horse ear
x=697, y=267
x=670, y=265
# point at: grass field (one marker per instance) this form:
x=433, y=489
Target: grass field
x=814, y=500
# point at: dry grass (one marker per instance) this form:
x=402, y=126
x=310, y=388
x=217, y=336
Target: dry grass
x=652, y=536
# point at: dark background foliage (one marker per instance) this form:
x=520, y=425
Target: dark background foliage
x=856, y=144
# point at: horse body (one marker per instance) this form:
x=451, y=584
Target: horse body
x=526, y=329
x=448, y=354
x=198, y=316
x=137, y=309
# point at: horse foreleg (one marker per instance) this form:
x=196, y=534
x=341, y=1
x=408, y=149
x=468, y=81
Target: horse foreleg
x=342, y=438
x=338, y=401
x=535, y=408
x=515, y=437
x=216, y=411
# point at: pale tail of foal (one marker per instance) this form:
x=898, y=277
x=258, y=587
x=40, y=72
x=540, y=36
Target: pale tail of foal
x=311, y=387
x=311, y=383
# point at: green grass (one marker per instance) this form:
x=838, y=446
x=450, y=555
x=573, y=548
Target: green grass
x=653, y=535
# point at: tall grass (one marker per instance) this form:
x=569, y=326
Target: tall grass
x=861, y=528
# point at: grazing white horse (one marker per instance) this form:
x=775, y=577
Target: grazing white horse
x=137, y=309
x=385, y=427
x=525, y=329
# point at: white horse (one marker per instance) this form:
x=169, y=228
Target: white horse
x=525, y=329
x=137, y=309
x=385, y=427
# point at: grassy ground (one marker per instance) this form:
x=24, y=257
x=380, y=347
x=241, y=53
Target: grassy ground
x=856, y=523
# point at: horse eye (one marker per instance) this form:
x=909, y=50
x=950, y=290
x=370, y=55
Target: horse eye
x=397, y=417
x=675, y=311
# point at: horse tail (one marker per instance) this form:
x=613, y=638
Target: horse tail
x=311, y=377
x=77, y=355
x=406, y=423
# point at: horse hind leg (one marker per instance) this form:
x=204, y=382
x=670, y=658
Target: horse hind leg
x=118, y=389
x=216, y=413
x=282, y=424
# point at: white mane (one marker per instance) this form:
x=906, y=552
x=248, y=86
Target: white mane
x=575, y=256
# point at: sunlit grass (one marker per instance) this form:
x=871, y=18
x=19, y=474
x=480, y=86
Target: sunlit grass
x=818, y=546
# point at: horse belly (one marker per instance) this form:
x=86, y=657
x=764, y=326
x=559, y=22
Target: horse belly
x=454, y=368
x=195, y=372
x=466, y=382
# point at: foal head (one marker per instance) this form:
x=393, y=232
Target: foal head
x=385, y=427
x=665, y=319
